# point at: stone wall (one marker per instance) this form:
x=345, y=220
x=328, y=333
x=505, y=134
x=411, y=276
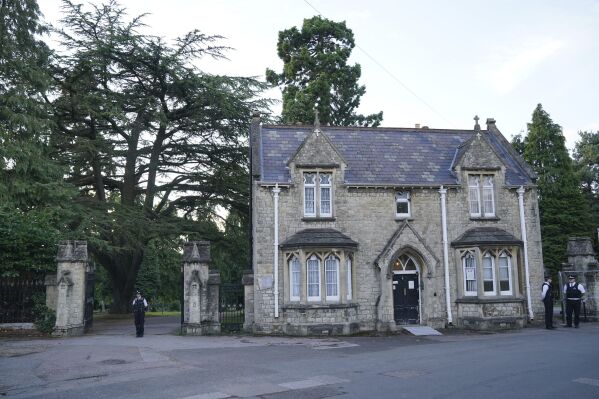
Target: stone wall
x=355, y=210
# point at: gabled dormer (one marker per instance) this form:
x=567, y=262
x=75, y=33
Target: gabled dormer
x=481, y=171
x=318, y=151
x=315, y=167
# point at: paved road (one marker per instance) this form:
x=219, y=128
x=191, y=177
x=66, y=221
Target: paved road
x=112, y=363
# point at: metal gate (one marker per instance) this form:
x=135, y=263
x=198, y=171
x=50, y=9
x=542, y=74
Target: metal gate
x=231, y=307
x=88, y=316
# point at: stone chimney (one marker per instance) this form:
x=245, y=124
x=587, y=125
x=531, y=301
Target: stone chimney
x=491, y=124
x=255, y=142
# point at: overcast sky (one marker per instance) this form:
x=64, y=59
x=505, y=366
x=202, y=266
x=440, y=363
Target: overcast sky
x=437, y=63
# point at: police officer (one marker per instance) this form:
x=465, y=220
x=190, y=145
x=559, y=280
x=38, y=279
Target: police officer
x=547, y=298
x=139, y=313
x=573, y=292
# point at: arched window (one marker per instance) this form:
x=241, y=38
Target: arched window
x=405, y=263
x=294, y=279
x=489, y=274
x=313, y=280
x=469, y=266
x=331, y=270
x=505, y=273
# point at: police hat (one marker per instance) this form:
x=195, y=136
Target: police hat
x=547, y=276
x=571, y=276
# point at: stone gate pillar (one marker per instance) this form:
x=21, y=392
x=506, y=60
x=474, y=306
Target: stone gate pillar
x=200, y=290
x=70, y=288
x=582, y=261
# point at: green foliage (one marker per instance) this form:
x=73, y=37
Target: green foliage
x=316, y=75
x=518, y=144
x=232, y=255
x=27, y=241
x=562, y=208
x=586, y=165
x=45, y=318
x=159, y=277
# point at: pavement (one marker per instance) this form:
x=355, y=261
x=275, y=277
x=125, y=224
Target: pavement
x=110, y=362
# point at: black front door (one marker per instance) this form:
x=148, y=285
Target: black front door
x=405, y=298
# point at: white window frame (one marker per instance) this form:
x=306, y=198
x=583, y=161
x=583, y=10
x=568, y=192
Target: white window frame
x=403, y=197
x=488, y=197
x=318, y=187
x=474, y=195
x=313, y=298
x=481, y=195
x=348, y=275
x=322, y=187
x=508, y=256
x=333, y=294
x=295, y=279
x=469, y=255
x=491, y=257
x=309, y=187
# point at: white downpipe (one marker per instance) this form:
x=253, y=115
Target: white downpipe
x=525, y=243
x=443, y=191
x=276, y=190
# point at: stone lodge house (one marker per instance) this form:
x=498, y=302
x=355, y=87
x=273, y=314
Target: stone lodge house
x=364, y=229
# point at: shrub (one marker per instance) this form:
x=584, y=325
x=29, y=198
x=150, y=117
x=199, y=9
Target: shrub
x=45, y=318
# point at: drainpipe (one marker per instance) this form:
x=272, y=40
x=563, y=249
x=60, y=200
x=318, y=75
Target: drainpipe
x=525, y=243
x=443, y=191
x=276, y=190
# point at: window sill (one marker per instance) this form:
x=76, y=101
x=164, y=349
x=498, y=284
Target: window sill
x=318, y=219
x=478, y=218
x=404, y=218
x=503, y=299
x=308, y=306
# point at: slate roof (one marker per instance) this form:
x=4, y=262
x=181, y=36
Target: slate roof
x=319, y=238
x=394, y=156
x=486, y=236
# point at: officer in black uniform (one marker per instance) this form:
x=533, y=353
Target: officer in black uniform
x=140, y=305
x=573, y=292
x=547, y=298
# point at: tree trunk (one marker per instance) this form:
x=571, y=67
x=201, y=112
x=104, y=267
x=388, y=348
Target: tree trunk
x=122, y=271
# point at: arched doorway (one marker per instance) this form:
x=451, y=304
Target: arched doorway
x=406, y=289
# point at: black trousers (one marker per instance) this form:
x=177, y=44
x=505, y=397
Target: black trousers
x=572, y=306
x=139, y=323
x=548, y=313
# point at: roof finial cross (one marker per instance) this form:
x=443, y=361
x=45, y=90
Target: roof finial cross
x=476, y=125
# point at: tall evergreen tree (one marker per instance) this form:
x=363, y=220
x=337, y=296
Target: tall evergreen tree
x=149, y=138
x=316, y=75
x=562, y=207
x=32, y=190
x=586, y=164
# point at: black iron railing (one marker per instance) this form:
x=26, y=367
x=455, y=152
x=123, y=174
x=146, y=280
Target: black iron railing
x=17, y=299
